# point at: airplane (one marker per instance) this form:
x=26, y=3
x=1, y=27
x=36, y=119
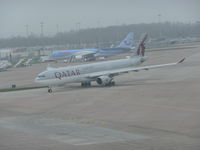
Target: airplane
x=101, y=72
x=4, y=65
x=23, y=62
x=90, y=54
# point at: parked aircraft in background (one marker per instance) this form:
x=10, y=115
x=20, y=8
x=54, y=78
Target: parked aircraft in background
x=91, y=54
x=23, y=62
x=4, y=65
x=101, y=72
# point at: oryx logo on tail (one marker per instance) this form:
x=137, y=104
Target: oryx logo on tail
x=141, y=46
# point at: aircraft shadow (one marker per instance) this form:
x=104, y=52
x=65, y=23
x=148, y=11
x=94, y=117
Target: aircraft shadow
x=77, y=87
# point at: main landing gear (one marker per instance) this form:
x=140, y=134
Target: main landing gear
x=85, y=84
x=112, y=83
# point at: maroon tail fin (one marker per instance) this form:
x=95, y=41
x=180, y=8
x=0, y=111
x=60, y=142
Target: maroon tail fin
x=141, y=46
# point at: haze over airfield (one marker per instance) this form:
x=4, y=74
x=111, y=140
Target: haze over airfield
x=66, y=15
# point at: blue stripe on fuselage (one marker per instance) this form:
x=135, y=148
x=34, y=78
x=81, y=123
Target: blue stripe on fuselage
x=110, y=52
x=65, y=53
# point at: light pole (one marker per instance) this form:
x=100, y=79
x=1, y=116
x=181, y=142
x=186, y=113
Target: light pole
x=27, y=30
x=159, y=23
x=42, y=26
x=57, y=27
x=159, y=18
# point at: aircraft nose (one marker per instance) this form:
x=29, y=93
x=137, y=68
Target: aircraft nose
x=36, y=79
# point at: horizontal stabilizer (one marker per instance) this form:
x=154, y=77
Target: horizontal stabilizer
x=181, y=60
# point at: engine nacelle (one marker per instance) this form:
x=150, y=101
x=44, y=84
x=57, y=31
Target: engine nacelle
x=104, y=80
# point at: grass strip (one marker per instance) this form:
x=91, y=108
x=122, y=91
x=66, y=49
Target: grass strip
x=172, y=48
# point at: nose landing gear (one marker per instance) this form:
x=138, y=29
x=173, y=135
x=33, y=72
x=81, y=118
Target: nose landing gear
x=49, y=90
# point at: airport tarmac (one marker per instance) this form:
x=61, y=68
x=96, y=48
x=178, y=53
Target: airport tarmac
x=146, y=110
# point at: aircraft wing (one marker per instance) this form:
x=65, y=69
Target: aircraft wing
x=129, y=69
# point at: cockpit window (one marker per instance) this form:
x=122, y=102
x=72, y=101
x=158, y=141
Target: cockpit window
x=41, y=76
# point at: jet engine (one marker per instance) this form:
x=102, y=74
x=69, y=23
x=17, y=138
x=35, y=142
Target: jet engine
x=104, y=80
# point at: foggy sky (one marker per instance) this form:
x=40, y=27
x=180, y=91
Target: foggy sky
x=66, y=15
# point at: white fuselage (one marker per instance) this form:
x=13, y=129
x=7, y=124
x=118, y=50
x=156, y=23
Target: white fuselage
x=80, y=73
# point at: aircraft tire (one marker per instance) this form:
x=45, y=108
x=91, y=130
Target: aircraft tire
x=50, y=90
x=85, y=84
x=113, y=83
x=88, y=84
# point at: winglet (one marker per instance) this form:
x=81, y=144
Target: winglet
x=181, y=60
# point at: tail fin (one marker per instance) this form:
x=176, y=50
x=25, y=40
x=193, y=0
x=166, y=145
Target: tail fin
x=141, y=47
x=127, y=42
